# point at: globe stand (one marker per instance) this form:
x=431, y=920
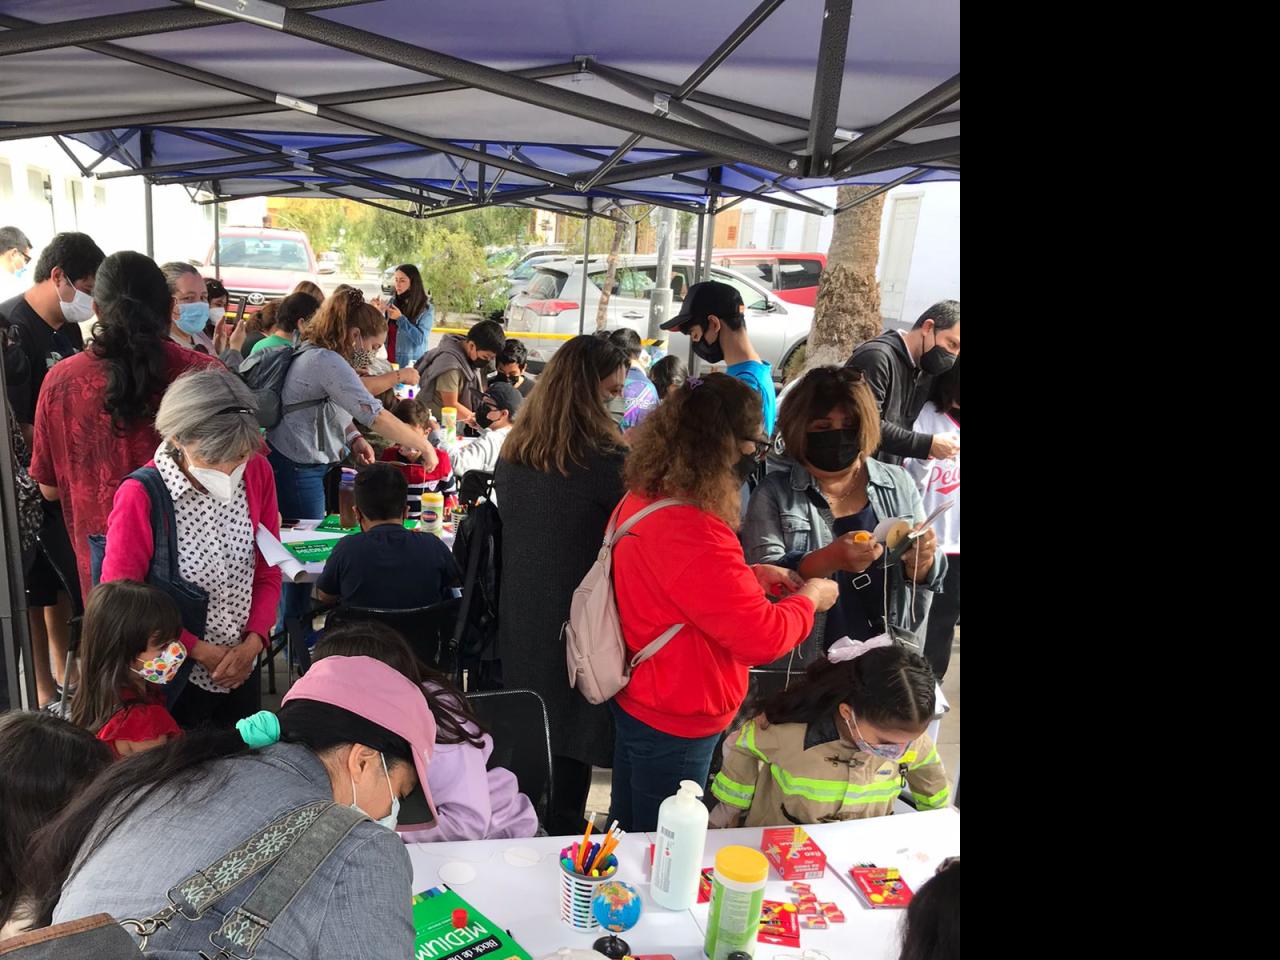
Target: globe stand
x=612, y=947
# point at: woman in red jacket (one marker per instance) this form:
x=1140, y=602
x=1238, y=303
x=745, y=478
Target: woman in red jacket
x=222, y=490
x=683, y=565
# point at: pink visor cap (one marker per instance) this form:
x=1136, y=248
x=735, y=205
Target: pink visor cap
x=386, y=698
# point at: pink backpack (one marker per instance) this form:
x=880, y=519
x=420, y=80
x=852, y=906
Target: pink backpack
x=594, y=646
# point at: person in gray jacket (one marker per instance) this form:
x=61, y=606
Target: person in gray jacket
x=816, y=517
x=171, y=827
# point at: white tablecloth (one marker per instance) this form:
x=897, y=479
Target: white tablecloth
x=525, y=899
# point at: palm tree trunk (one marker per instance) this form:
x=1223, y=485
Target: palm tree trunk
x=602, y=312
x=848, y=306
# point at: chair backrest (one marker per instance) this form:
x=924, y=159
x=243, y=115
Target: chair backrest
x=428, y=630
x=517, y=721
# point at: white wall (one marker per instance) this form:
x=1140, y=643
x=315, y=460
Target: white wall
x=935, y=259
x=111, y=211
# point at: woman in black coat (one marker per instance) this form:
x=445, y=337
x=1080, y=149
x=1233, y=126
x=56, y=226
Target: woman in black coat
x=558, y=481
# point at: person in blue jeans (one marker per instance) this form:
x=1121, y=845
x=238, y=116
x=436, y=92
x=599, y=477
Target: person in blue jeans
x=713, y=316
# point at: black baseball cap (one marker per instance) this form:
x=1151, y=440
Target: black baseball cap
x=704, y=299
x=504, y=396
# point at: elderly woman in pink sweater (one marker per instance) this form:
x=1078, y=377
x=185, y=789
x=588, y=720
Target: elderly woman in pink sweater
x=213, y=490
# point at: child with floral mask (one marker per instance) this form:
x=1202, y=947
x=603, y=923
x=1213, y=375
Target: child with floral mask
x=840, y=744
x=129, y=649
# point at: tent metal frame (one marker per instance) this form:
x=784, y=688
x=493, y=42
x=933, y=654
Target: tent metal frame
x=698, y=145
x=713, y=141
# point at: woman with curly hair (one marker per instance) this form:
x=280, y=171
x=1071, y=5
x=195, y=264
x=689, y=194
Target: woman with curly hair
x=680, y=566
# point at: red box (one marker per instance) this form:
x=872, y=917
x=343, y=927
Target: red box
x=793, y=853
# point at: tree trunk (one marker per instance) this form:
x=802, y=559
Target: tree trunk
x=602, y=312
x=848, y=307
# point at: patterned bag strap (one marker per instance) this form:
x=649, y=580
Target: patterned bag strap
x=197, y=893
x=246, y=925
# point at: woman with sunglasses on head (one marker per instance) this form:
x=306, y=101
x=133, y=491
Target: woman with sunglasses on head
x=682, y=565
x=818, y=517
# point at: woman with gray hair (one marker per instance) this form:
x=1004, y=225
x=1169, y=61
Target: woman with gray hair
x=220, y=488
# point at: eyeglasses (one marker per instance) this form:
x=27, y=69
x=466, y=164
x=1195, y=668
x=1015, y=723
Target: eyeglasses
x=762, y=447
x=26, y=257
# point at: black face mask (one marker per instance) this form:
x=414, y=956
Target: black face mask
x=937, y=361
x=710, y=352
x=745, y=466
x=832, y=451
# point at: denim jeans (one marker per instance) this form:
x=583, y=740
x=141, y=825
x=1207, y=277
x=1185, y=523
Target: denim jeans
x=648, y=766
x=299, y=496
x=941, y=631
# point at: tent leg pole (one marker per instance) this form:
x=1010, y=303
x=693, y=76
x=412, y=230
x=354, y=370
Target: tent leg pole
x=586, y=253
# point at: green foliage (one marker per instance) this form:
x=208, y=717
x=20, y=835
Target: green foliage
x=452, y=266
x=320, y=220
x=391, y=238
x=494, y=226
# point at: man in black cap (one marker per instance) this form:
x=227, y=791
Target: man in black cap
x=714, y=318
x=498, y=408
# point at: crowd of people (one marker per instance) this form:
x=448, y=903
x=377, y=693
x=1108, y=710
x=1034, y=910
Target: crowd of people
x=153, y=456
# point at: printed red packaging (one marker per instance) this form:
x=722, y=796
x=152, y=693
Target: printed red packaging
x=793, y=853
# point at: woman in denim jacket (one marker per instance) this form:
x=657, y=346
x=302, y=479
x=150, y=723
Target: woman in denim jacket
x=809, y=518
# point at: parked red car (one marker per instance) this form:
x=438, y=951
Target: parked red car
x=792, y=276
x=263, y=264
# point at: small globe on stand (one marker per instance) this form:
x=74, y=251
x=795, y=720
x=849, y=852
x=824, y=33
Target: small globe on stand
x=617, y=909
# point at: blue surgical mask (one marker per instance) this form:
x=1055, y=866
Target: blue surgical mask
x=390, y=820
x=193, y=316
x=885, y=751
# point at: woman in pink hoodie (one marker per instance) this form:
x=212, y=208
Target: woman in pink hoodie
x=473, y=802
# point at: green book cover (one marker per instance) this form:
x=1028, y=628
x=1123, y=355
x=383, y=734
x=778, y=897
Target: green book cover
x=312, y=551
x=439, y=936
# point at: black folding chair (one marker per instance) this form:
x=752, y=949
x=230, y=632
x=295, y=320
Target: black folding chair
x=517, y=721
x=429, y=630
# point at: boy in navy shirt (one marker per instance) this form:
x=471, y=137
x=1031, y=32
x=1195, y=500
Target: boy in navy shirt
x=386, y=566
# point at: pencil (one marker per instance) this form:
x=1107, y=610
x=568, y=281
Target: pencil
x=586, y=846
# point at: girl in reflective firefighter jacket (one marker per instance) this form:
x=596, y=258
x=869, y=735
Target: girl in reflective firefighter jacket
x=839, y=745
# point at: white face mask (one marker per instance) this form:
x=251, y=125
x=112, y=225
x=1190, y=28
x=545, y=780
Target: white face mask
x=221, y=486
x=389, y=821
x=79, y=309
x=217, y=313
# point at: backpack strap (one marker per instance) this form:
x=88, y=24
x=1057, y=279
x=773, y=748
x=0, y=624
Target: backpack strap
x=612, y=535
x=653, y=647
x=611, y=538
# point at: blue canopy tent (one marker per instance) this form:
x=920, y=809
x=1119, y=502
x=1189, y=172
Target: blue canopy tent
x=578, y=106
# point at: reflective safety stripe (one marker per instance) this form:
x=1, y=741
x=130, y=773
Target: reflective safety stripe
x=747, y=741
x=939, y=799
x=931, y=758
x=731, y=792
x=869, y=798
x=824, y=791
